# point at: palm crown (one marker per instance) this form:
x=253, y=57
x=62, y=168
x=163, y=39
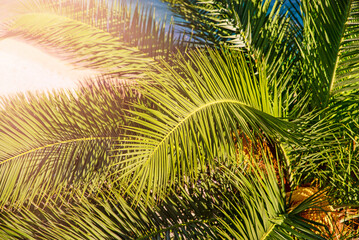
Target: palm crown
x=245, y=128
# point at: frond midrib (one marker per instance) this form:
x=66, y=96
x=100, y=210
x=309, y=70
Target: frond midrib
x=53, y=145
x=111, y=40
x=183, y=121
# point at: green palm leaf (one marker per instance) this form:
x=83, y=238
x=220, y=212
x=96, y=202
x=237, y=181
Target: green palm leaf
x=255, y=27
x=261, y=212
x=97, y=48
x=176, y=162
x=108, y=214
x=129, y=23
x=195, y=117
x=103, y=36
x=57, y=142
x=331, y=47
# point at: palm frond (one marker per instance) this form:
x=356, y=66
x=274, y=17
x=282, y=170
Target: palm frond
x=330, y=47
x=261, y=211
x=94, y=47
x=256, y=27
x=195, y=118
x=132, y=24
x=54, y=142
x=201, y=210
x=109, y=214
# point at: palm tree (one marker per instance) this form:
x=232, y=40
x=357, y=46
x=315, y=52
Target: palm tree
x=248, y=132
